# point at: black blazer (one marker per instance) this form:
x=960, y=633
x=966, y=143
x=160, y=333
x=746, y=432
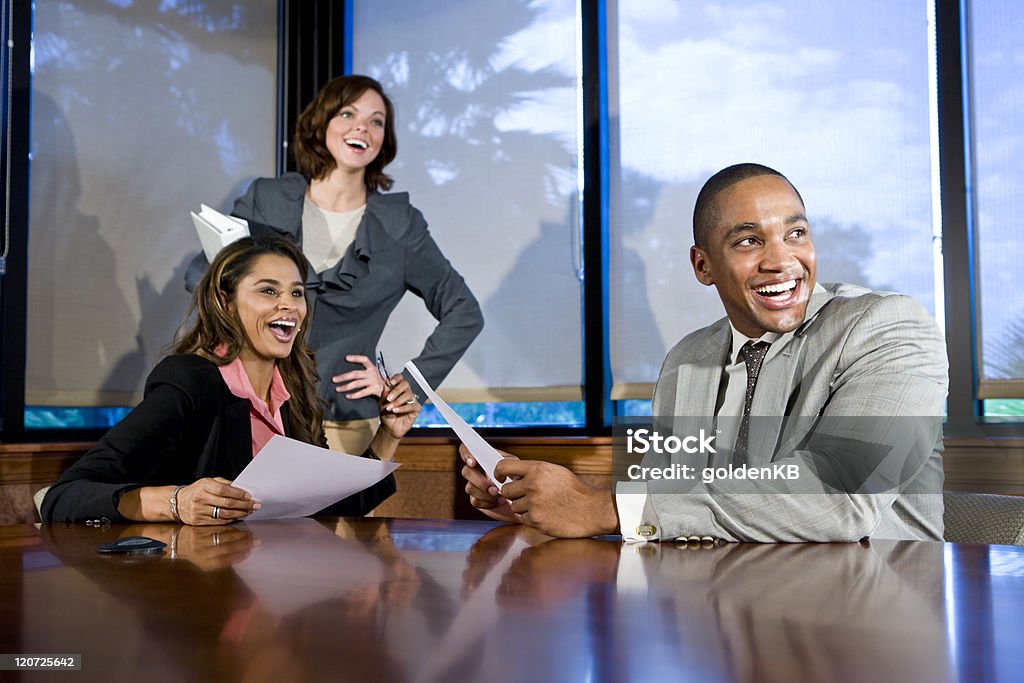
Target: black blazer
x=188, y=426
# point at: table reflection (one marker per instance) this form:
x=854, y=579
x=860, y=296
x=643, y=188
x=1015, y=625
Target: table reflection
x=725, y=612
x=272, y=600
x=424, y=601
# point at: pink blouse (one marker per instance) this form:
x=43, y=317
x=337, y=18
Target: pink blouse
x=265, y=420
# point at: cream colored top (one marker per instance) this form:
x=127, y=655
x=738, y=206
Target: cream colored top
x=326, y=235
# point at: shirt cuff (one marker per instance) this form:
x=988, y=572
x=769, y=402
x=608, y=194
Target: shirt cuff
x=638, y=521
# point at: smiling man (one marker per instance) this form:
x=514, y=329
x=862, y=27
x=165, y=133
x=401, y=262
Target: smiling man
x=839, y=384
x=752, y=242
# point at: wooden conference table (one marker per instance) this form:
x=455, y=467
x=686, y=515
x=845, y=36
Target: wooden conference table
x=420, y=600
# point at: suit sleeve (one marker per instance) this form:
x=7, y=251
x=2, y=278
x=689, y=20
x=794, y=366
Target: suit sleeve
x=141, y=450
x=879, y=429
x=245, y=206
x=447, y=297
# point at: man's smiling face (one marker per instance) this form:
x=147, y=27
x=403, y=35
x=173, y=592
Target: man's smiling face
x=759, y=256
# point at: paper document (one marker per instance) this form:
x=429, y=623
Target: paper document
x=216, y=230
x=294, y=479
x=481, y=450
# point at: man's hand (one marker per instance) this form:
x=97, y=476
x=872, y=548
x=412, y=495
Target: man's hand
x=546, y=497
x=552, y=499
x=483, y=494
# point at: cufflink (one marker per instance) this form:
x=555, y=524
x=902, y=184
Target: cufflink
x=646, y=530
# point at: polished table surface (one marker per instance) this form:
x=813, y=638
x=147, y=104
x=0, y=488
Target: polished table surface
x=421, y=600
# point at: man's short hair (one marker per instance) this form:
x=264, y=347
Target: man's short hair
x=705, y=211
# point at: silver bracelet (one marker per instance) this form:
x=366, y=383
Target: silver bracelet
x=174, y=503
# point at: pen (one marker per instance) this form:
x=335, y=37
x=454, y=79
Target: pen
x=383, y=370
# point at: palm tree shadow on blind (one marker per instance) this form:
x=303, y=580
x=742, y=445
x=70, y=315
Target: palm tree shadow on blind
x=488, y=148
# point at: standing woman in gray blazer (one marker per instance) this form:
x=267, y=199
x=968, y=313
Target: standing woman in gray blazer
x=365, y=248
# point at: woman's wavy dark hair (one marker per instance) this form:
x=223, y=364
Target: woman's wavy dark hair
x=309, y=145
x=214, y=326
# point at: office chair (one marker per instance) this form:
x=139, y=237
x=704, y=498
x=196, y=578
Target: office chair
x=38, y=500
x=984, y=518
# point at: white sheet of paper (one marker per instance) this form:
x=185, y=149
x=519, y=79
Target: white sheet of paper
x=294, y=479
x=481, y=450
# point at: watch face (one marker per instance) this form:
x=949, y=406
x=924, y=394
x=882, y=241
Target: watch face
x=133, y=545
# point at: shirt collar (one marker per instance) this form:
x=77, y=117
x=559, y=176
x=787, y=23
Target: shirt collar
x=739, y=339
x=238, y=382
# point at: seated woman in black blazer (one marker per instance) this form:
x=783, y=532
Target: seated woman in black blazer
x=240, y=374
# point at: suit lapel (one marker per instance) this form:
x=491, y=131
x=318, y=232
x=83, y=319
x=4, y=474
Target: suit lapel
x=237, y=434
x=371, y=237
x=698, y=380
x=778, y=387
x=286, y=419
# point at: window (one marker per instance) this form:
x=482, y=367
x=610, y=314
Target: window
x=487, y=97
x=835, y=96
x=132, y=127
x=997, y=95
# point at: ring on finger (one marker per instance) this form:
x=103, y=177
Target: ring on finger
x=216, y=512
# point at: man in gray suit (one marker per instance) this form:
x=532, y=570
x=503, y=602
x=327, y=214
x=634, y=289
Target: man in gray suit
x=847, y=386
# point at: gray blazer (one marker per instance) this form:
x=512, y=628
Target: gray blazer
x=862, y=360
x=350, y=303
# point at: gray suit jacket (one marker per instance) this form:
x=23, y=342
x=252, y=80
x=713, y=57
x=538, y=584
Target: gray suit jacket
x=862, y=386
